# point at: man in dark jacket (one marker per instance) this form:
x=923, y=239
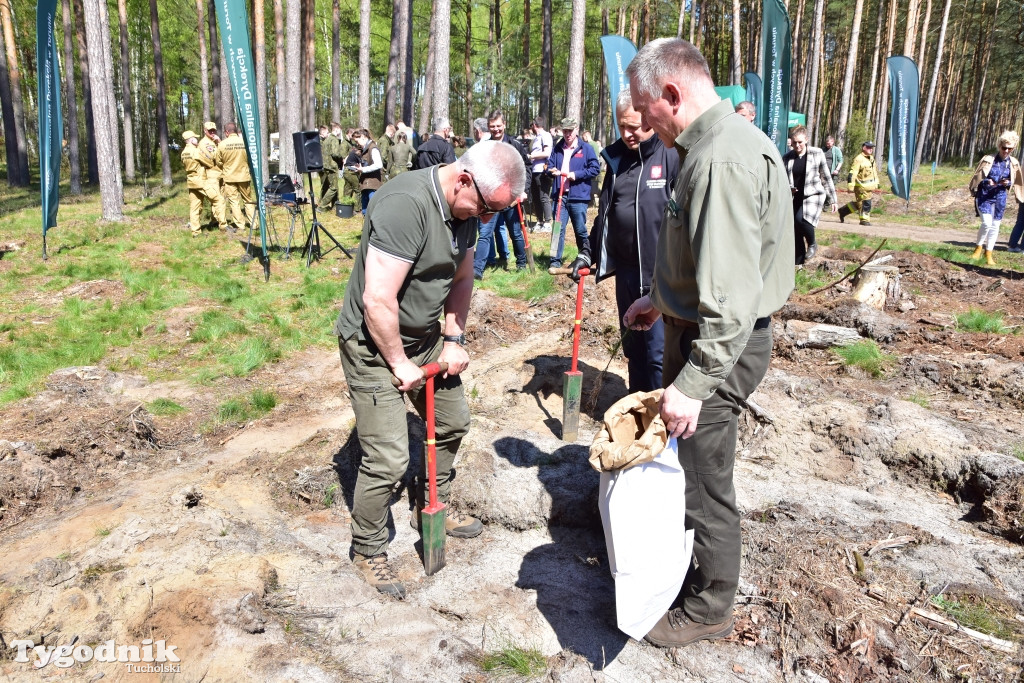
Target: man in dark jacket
x=510, y=216
x=636, y=188
x=574, y=165
x=436, y=150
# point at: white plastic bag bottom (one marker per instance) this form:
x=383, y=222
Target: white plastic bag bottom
x=643, y=510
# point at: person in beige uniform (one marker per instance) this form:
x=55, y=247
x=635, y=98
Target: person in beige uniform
x=208, y=158
x=197, y=181
x=233, y=160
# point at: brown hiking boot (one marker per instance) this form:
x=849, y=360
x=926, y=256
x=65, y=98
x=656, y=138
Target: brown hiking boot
x=379, y=574
x=675, y=629
x=456, y=524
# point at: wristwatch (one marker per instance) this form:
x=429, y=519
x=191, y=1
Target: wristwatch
x=459, y=339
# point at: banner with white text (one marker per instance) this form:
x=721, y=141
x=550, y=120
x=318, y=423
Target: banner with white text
x=905, y=92
x=618, y=53
x=51, y=126
x=776, y=47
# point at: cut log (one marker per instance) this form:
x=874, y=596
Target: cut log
x=820, y=335
x=878, y=286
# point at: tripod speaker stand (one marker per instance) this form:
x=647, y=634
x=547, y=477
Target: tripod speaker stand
x=312, y=247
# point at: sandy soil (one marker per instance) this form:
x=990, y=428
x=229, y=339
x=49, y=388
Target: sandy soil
x=864, y=499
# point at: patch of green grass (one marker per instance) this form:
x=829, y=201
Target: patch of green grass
x=328, y=500
x=103, y=532
x=852, y=241
x=810, y=280
x=529, y=663
x=243, y=409
x=920, y=398
x=865, y=355
x=1017, y=450
x=977, y=320
x=216, y=325
x=164, y=407
x=974, y=611
x=254, y=352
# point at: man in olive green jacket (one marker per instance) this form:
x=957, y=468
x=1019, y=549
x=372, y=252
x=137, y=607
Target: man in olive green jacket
x=330, y=149
x=724, y=266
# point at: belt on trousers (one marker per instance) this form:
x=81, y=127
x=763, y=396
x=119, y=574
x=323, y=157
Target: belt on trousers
x=759, y=324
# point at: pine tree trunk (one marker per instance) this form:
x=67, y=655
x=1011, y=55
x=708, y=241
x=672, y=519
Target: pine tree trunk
x=260, y=59
x=309, y=65
x=10, y=136
x=467, y=63
x=111, y=192
x=161, y=93
x=981, y=88
x=883, y=98
x=546, y=75
x=289, y=108
x=851, y=63
x=227, y=100
x=336, y=61
x=407, y=77
x=694, y=11
x=112, y=106
x=281, y=85
x=682, y=18
x=428, y=74
x=922, y=55
x=204, y=67
x=496, y=8
x=737, y=62
x=92, y=166
x=910, y=32
x=364, y=64
x=602, y=92
x=574, y=73
x=812, y=100
x=923, y=136
x=126, y=94
x=869, y=113
x=71, y=100
x=442, y=48
x=525, y=115
x=391, y=86
x=19, y=172
x=216, y=104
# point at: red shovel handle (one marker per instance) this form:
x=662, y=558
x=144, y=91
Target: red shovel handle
x=429, y=370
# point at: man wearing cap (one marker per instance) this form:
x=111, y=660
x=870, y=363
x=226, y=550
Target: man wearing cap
x=233, y=159
x=574, y=165
x=724, y=265
x=863, y=180
x=406, y=306
x=208, y=153
x=196, y=167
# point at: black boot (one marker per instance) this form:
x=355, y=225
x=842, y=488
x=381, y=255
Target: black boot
x=844, y=211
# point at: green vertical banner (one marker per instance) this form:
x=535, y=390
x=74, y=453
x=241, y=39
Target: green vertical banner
x=776, y=48
x=618, y=53
x=755, y=91
x=51, y=127
x=905, y=89
x=232, y=19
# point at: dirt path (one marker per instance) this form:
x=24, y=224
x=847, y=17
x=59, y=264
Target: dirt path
x=903, y=231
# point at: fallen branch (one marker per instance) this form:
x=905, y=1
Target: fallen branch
x=936, y=620
x=891, y=543
x=758, y=412
x=852, y=272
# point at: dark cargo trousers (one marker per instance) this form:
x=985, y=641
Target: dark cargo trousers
x=380, y=420
x=708, y=457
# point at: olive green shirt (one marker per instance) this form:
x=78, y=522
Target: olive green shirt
x=725, y=251
x=410, y=220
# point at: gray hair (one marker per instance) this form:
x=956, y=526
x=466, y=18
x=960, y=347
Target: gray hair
x=746, y=105
x=480, y=125
x=623, y=102
x=666, y=59
x=1008, y=137
x=441, y=124
x=493, y=164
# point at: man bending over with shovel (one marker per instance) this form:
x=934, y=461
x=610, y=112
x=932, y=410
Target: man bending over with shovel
x=415, y=267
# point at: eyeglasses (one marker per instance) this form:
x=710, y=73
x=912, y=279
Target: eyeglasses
x=487, y=209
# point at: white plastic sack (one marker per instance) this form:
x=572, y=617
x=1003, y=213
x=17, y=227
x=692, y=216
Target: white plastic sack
x=643, y=510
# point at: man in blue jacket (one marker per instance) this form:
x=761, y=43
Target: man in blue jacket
x=573, y=163
x=637, y=186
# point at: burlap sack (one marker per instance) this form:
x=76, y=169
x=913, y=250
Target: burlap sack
x=633, y=433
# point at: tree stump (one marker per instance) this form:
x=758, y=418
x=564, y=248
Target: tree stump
x=877, y=286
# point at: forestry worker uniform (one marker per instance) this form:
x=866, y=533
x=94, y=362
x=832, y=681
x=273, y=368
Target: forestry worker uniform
x=208, y=158
x=863, y=180
x=331, y=151
x=237, y=191
x=196, y=180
